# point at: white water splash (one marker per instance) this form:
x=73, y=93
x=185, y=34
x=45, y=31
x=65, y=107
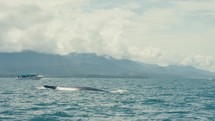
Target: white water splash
x=120, y=91
x=41, y=87
x=67, y=89
x=61, y=88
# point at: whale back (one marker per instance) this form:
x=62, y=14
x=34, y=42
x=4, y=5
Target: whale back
x=90, y=89
x=78, y=88
x=50, y=87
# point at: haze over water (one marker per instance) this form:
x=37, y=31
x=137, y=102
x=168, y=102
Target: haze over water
x=129, y=99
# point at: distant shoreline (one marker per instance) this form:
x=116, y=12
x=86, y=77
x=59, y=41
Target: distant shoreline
x=125, y=77
x=89, y=76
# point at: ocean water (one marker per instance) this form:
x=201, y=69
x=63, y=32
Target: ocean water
x=128, y=100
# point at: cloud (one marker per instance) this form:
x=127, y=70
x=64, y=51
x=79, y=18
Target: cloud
x=190, y=5
x=148, y=54
x=203, y=62
x=147, y=31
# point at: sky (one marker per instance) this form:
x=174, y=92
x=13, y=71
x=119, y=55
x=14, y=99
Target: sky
x=163, y=32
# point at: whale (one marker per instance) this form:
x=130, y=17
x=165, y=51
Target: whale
x=50, y=87
x=74, y=88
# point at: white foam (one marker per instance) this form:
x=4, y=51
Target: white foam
x=120, y=91
x=41, y=87
x=67, y=89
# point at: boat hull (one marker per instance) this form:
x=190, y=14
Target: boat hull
x=36, y=78
x=29, y=77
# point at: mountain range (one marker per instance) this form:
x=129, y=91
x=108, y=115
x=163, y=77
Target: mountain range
x=90, y=65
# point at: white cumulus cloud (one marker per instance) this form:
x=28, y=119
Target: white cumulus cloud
x=147, y=31
x=203, y=62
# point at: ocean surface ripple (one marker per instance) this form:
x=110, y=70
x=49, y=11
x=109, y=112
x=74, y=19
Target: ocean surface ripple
x=130, y=99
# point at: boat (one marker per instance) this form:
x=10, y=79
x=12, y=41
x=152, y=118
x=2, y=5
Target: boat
x=29, y=77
